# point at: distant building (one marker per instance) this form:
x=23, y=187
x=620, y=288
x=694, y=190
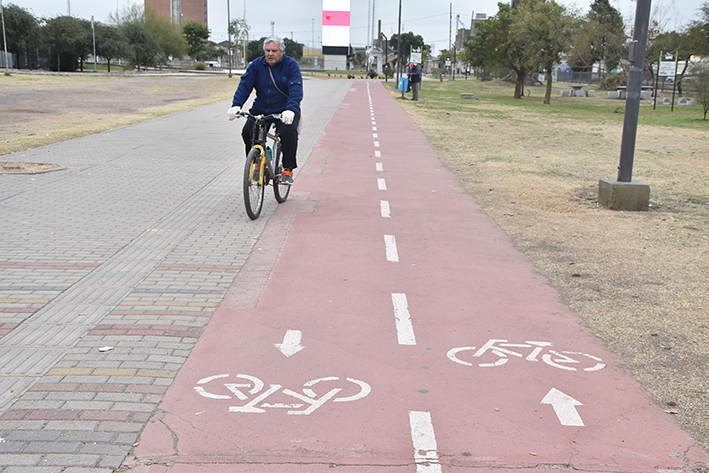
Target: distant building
x=180, y=11
x=464, y=33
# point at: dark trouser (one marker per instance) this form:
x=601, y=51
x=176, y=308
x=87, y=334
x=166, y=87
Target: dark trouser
x=415, y=88
x=289, y=139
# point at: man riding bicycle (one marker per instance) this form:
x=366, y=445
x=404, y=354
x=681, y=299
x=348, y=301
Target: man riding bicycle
x=279, y=89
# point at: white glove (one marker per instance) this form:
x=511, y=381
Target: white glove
x=232, y=112
x=287, y=117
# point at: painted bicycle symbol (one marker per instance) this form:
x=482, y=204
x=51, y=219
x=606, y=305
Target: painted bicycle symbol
x=502, y=349
x=249, y=386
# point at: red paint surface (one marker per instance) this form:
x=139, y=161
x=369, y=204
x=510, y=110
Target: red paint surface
x=465, y=284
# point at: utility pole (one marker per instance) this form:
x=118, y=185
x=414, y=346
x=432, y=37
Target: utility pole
x=624, y=193
x=450, y=30
x=228, y=30
x=246, y=39
x=398, y=53
x=68, y=7
x=4, y=40
x=93, y=33
x=632, y=103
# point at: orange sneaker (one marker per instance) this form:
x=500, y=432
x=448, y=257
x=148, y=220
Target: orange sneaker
x=286, y=177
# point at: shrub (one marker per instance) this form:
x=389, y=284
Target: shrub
x=200, y=66
x=612, y=81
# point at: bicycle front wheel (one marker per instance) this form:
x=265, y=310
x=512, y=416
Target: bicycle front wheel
x=280, y=190
x=253, y=183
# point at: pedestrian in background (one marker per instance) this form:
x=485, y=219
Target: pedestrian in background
x=415, y=80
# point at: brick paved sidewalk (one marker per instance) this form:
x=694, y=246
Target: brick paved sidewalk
x=109, y=272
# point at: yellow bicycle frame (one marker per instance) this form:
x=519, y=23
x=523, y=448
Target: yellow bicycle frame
x=262, y=166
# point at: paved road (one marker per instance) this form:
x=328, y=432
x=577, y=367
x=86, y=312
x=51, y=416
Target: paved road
x=399, y=331
x=377, y=321
x=131, y=247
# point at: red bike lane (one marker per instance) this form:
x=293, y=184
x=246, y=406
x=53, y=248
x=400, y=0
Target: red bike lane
x=400, y=330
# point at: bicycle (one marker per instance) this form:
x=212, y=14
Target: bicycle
x=263, y=164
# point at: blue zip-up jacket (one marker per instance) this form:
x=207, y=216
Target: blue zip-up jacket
x=268, y=99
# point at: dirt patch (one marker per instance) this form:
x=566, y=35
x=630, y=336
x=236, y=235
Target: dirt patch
x=6, y=167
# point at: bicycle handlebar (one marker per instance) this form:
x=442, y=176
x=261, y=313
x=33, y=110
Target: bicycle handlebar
x=241, y=113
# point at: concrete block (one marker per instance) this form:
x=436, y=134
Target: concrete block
x=565, y=93
x=645, y=94
x=612, y=94
x=690, y=101
x=616, y=195
x=666, y=101
x=590, y=93
x=467, y=96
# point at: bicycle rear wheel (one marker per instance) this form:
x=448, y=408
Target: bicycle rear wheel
x=279, y=190
x=253, y=183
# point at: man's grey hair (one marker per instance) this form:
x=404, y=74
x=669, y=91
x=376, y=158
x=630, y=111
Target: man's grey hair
x=277, y=40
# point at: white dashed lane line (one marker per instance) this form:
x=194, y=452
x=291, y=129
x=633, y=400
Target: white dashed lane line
x=404, y=327
x=385, y=210
x=390, y=245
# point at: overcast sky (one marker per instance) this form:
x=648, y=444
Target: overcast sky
x=302, y=19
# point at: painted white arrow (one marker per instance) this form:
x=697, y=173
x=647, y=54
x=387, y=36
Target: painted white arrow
x=564, y=406
x=291, y=343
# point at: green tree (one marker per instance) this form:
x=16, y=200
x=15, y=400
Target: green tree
x=64, y=36
x=144, y=49
x=546, y=29
x=84, y=49
x=686, y=44
x=168, y=36
x=580, y=56
x=608, y=38
x=255, y=49
x=130, y=14
x=701, y=28
x=239, y=29
x=110, y=43
x=700, y=74
x=357, y=60
x=293, y=49
x=494, y=48
x=211, y=52
x=408, y=40
x=196, y=35
x=21, y=30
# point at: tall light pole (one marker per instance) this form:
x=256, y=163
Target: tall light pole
x=632, y=102
x=4, y=39
x=386, y=56
x=625, y=193
x=398, y=53
x=93, y=33
x=228, y=30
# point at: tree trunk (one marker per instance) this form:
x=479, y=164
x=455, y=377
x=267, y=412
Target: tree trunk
x=519, y=83
x=59, y=62
x=547, y=94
